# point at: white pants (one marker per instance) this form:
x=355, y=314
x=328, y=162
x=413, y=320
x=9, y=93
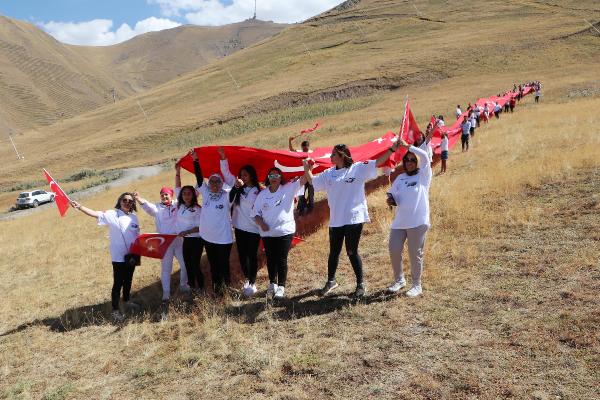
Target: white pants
x=416, y=242
x=174, y=250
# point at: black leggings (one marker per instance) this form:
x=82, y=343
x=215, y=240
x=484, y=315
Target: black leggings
x=122, y=277
x=277, y=249
x=218, y=258
x=192, y=253
x=337, y=235
x=247, y=247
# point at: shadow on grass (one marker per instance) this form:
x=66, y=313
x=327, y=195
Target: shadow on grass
x=301, y=306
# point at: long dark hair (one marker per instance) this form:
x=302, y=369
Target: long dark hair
x=283, y=180
x=118, y=205
x=194, y=196
x=252, y=172
x=344, y=152
x=235, y=194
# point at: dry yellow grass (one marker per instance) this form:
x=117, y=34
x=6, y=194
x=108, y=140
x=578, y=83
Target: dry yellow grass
x=510, y=308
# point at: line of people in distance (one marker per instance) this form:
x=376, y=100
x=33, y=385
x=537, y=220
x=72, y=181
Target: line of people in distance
x=223, y=208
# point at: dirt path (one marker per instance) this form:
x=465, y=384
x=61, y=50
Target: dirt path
x=129, y=175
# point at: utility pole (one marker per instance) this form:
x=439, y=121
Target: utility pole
x=113, y=91
x=254, y=18
x=19, y=156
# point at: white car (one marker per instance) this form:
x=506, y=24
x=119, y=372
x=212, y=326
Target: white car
x=34, y=198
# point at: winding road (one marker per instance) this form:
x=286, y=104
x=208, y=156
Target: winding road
x=129, y=175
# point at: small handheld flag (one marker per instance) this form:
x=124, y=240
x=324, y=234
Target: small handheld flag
x=60, y=197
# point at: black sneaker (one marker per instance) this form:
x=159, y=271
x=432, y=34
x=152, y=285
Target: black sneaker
x=329, y=287
x=360, y=291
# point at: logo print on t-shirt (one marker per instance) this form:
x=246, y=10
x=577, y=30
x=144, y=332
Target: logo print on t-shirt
x=278, y=203
x=219, y=206
x=349, y=180
x=135, y=226
x=409, y=184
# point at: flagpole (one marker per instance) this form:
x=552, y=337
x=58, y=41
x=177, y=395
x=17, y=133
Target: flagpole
x=403, y=118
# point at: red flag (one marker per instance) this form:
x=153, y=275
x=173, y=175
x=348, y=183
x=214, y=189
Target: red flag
x=60, y=197
x=153, y=245
x=410, y=130
x=309, y=130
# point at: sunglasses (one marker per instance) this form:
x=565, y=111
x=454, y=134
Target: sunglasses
x=215, y=181
x=274, y=176
x=411, y=160
x=126, y=200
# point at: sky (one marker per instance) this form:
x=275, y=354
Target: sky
x=106, y=22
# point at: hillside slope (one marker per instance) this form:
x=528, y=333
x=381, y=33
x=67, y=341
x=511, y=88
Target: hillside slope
x=43, y=81
x=440, y=53
x=157, y=57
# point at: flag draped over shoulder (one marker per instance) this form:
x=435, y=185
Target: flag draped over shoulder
x=60, y=197
x=153, y=245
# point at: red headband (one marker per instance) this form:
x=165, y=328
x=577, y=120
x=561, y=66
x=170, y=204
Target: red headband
x=167, y=190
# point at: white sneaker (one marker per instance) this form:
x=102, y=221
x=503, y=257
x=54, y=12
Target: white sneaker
x=415, y=291
x=246, y=284
x=250, y=290
x=117, y=316
x=271, y=289
x=397, y=285
x=279, y=293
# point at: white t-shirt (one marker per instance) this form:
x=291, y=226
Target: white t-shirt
x=165, y=217
x=444, y=144
x=345, y=189
x=440, y=123
x=277, y=209
x=215, y=218
x=188, y=218
x=411, y=194
x=458, y=112
x=123, y=229
x=242, y=213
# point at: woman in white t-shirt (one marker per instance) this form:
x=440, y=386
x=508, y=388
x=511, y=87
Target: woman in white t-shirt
x=215, y=226
x=187, y=223
x=273, y=212
x=345, y=187
x=165, y=218
x=410, y=195
x=243, y=194
x=123, y=229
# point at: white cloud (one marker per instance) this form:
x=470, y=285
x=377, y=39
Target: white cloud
x=98, y=32
x=214, y=12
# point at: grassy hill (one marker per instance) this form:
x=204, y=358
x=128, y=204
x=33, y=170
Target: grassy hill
x=366, y=56
x=157, y=57
x=43, y=81
x=510, y=305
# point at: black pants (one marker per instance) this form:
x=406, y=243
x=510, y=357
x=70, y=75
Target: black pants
x=122, y=277
x=464, y=140
x=218, y=258
x=247, y=247
x=192, y=253
x=277, y=249
x=537, y=99
x=306, y=202
x=512, y=108
x=351, y=235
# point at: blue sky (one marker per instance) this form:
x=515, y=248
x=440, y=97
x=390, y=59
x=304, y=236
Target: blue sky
x=105, y=22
